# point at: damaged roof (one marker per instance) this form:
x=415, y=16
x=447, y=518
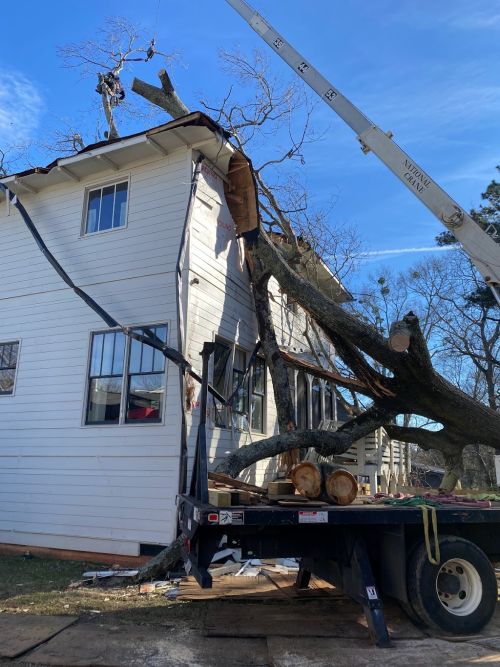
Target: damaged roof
x=195, y=130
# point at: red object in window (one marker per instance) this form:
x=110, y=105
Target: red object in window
x=143, y=413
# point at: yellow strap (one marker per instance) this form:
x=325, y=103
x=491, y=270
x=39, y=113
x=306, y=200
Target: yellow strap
x=433, y=560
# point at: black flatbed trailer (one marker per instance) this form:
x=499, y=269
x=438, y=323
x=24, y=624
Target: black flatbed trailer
x=436, y=561
x=362, y=549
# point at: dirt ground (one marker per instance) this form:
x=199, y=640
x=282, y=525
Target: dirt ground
x=242, y=622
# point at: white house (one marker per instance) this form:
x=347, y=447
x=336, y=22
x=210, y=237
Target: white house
x=91, y=422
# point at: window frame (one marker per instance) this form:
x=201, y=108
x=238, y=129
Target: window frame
x=226, y=412
x=100, y=186
x=10, y=342
x=122, y=420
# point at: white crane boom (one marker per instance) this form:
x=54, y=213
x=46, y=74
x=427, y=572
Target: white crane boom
x=480, y=246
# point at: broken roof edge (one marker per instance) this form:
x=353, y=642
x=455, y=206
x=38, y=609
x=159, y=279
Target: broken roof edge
x=196, y=118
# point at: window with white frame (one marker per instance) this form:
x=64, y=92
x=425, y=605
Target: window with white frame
x=8, y=363
x=248, y=390
x=126, y=378
x=106, y=208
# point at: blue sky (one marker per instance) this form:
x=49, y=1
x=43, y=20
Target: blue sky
x=429, y=71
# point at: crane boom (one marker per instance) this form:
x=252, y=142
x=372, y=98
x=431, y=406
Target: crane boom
x=482, y=249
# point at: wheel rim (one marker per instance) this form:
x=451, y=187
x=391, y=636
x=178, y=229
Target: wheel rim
x=459, y=587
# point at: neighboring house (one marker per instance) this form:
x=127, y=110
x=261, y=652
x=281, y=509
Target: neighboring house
x=91, y=422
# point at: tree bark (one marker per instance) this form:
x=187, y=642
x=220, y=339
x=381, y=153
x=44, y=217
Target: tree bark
x=165, y=97
x=157, y=567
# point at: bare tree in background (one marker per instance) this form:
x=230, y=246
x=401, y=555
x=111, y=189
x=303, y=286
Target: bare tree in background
x=115, y=47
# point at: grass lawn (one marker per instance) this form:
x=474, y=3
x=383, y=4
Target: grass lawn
x=40, y=586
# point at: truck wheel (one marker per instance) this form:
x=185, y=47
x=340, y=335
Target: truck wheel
x=458, y=595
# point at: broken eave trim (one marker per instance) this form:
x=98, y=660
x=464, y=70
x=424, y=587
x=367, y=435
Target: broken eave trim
x=336, y=378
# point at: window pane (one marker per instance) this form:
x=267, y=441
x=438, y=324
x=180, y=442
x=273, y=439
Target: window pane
x=135, y=356
x=95, y=363
x=119, y=353
x=240, y=360
x=328, y=402
x=120, y=205
x=5, y=355
x=14, y=349
x=316, y=403
x=94, y=202
x=107, y=354
x=106, y=217
x=221, y=355
x=147, y=359
x=259, y=376
x=240, y=401
x=258, y=413
x=104, y=400
x=342, y=415
x=158, y=361
x=7, y=380
x=302, y=407
x=145, y=397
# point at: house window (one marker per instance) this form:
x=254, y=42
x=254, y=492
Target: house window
x=106, y=208
x=316, y=402
x=258, y=397
x=126, y=378
x=146, y=379
x=8, y=363
x=248, y=391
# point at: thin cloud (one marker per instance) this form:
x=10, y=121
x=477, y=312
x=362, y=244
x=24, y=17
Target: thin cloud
x=404, y=251
x=20, y=108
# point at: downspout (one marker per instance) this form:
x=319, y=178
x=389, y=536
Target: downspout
x=181, y=342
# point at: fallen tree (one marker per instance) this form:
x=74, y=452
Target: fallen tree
x=394, y=379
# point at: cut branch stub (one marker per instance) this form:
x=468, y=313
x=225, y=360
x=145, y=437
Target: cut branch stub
x=399, y=336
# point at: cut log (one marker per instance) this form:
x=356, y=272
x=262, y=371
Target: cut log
x=306, y=478
x=341, y=487
x=399, y=336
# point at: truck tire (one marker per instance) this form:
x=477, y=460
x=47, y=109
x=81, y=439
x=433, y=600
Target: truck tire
x=458, y=595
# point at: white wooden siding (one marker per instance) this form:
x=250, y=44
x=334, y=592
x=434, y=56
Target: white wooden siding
x=64, y=484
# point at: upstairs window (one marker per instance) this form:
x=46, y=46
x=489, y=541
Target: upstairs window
x=106, y=208
x=8, y=363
